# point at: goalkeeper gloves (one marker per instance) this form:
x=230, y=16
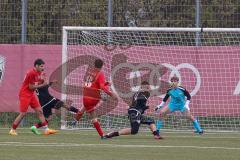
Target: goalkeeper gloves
x=159, y=107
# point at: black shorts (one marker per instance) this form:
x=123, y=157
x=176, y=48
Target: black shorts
x=47, y=107
x=136, y=119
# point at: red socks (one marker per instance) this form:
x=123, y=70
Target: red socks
x=14, y=126
x=98, y=128
x=40, y=124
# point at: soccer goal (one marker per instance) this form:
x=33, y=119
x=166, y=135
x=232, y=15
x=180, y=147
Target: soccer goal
x=207, y=61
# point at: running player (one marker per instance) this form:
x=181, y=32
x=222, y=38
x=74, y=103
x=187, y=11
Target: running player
x=94, y=84
x=27, y=96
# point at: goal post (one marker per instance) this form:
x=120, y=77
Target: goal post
x=208, y=68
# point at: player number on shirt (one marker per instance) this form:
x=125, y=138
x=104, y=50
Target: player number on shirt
x=88, y=82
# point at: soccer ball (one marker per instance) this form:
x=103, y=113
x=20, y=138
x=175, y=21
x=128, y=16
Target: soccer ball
x=104, y=96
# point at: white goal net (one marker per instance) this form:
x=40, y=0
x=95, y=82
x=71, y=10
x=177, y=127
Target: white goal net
x=207, y=60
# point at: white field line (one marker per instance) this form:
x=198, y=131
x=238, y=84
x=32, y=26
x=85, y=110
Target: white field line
x=21, y=144
x=165, y=135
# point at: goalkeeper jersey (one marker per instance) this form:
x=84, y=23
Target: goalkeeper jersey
x=177, y=96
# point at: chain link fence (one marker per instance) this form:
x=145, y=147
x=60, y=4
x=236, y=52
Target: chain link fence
x=45, y=18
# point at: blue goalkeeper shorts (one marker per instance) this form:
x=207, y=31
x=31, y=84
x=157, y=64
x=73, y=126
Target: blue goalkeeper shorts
x=174, y=107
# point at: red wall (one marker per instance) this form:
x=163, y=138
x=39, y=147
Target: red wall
x=219, y=69
x=19, y=58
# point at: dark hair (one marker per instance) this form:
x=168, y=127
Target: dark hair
x=98, y=63
x=144, y=83
x=38, y=62
x=175, y=78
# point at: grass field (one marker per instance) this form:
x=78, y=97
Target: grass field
x=77, y=145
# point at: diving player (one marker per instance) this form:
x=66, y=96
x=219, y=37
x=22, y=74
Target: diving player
x=135, y=114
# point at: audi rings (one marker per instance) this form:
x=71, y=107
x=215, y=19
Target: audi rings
x=154, y=72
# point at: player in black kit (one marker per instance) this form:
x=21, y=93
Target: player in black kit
x=48, y=102
x=135, y=114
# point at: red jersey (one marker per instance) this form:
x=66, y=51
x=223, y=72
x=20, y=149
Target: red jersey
x=32, y=77
x=93, y=83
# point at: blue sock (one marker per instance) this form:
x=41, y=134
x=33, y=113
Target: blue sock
x=197, y=126
x=159, y=125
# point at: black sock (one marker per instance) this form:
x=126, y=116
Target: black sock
x=73, y=109
x=155, y=133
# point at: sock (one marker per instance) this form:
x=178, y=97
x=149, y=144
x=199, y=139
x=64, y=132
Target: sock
x=155, y=133
x=14, y=126
x=38, y=125
x=197, y=126
x=159, y=125
x=112, y=134
x=45, y=125
x=78, y=116
x=73, y=109
x=98, y=128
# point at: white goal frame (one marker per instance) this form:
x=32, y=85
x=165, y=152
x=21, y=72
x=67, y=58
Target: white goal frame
x=133, y=29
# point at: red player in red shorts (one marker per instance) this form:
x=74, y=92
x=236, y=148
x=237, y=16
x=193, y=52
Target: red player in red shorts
x=94, y=83
x=27, y=96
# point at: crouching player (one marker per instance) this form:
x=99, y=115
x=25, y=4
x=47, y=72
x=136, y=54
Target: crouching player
x=135, y=114
x=177, y=103
x=48, y=103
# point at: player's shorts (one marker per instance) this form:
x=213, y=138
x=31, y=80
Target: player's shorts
x=90, y=104
x=47, y=107
x=174, y=107
x=136, y=119
x=26, y=101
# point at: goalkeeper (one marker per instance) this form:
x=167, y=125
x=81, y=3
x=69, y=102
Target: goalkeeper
x=135, y=114
x=48, y=102
x=177, y=103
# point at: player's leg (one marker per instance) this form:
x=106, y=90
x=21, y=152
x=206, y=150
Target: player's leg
x=16, y=123
x=194, y=121
x=163, y=112
x=44, y=123
x=47, y=112
x=135, y=123
x=24, y=103
x=96, y=123
x=73, y=109
x=37, y=108
x=67, y=105
x=150, y=121
x=125, y=131
x=79, y=114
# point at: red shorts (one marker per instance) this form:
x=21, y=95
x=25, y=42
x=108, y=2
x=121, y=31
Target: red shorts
x=28, y=101
x=90, y=104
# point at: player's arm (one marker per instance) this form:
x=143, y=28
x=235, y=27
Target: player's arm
x=33, y=86
x=163, y=101
x=104, y=85
x=49, y=84
x=186, y=93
